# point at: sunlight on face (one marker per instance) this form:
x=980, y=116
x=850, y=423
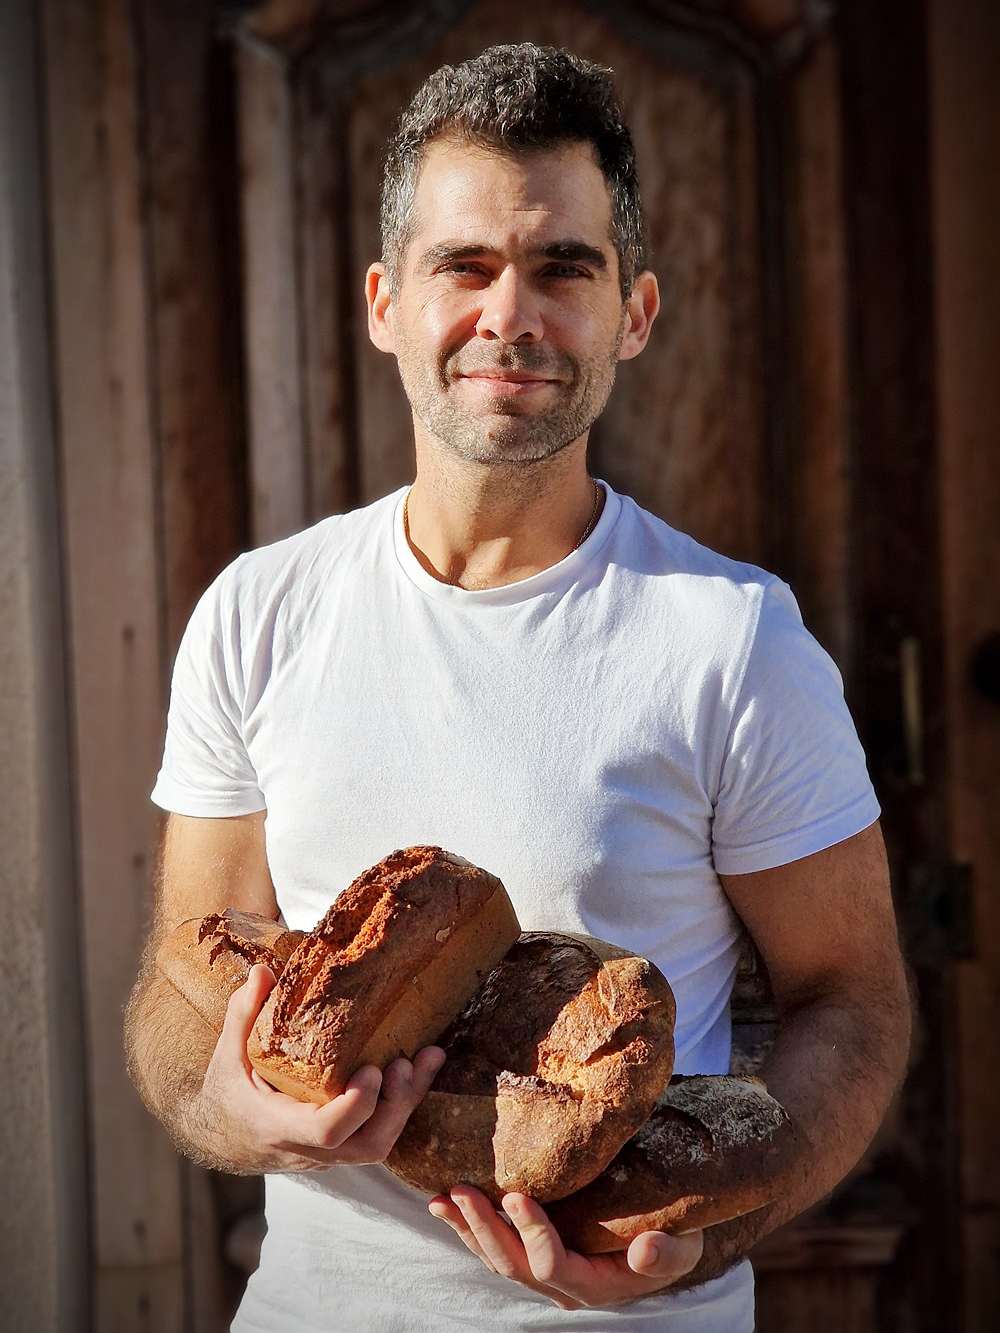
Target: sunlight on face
x=508, y=320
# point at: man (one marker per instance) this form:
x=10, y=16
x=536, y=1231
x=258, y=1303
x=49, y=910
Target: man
x=512, y=661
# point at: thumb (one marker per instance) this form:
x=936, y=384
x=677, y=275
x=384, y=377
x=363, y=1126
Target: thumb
x=244, y=1006
x=655, y=1254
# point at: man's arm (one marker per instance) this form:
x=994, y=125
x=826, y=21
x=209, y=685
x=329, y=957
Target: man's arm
x=825, y=928
x=216, y=1107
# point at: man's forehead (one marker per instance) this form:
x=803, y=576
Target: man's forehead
x=463, y=186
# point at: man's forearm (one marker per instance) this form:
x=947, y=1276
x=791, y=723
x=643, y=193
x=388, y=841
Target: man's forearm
x=834, y=1068
x=168, y=1047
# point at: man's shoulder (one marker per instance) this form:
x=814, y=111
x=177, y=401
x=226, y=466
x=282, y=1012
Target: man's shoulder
x=312, y=553
x=658, y=550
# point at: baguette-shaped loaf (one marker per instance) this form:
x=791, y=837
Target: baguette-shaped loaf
x=208, y=958
x=553, y=1065
x=392, y=962
x=714, y=1148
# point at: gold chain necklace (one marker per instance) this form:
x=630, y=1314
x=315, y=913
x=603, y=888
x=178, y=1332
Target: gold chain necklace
x=591, y=522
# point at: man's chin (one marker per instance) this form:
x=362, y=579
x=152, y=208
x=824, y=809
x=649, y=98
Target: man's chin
x=503, y=438
x=498, y=451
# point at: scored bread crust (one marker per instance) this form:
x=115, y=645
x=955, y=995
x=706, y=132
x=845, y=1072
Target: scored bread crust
x=386, y=970
x=552, y=1066
x=208, y=958
x=714, y=1148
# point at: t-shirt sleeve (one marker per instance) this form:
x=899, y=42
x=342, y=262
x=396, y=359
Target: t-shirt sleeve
x=206, y=769
x=794, y=779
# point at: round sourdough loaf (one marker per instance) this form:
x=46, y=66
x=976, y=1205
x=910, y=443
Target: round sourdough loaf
x=714, y=1148
x=552, y=1066
x=394, y=960
x=209, y=958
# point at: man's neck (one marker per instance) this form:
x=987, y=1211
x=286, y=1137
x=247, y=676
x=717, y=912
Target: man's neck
x=486, y=526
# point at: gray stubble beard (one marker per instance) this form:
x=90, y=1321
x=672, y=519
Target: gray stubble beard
x=543, y=436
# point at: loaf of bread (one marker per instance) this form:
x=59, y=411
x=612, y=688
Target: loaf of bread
x=558, y=1049
x=551, y=1068
x=387, y=969
x=714, y=1148
x=208, y=958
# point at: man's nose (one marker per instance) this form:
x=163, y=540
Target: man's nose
x=510, y=311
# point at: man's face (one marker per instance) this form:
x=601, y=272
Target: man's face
x=508, y=322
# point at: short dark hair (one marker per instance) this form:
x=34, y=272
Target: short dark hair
x=518, y=99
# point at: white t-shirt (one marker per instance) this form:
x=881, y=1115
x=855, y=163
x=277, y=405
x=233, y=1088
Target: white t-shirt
x=605, y=736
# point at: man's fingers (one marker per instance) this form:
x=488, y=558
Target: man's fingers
x=359, y=1126
x=488, y=1235
x=542, y=1245
x=244, y=1005
x=444, y=1208
x=522, y=1244
x=403, y=1084
x=247, y=1000
x=407, y=1083
x=667, y=1258
x=503, y=1247
x=330, y=1125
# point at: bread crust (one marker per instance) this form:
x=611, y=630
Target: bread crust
x=714, y=1148
x=552, y=1066
x=207, y=958
x=385, y=971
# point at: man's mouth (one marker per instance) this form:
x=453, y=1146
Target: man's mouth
x=508, y=380
x=508, y=385
x=505, y=376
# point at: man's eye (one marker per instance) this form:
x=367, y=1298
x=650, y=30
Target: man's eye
x=565, y=271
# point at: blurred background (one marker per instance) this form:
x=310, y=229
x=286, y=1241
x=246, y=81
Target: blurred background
x=188, y=201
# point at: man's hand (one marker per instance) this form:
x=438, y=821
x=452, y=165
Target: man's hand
x=239, y=1121
x=531, y=1253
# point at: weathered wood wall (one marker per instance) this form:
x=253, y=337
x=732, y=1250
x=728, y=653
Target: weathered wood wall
x=103, y=359
x=965, y=137
x=150, y=401
x=44, y=1279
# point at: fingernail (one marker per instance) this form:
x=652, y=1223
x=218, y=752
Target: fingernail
x=652, y=1255
x=367, y=1079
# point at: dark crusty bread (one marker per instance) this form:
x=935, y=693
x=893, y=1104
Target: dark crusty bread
x=394, y=960
x=714, y=1148
x=553, y=1065
x=208, y=958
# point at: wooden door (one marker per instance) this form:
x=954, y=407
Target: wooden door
x=213, y=188
x=214, y=207
x=785, y=389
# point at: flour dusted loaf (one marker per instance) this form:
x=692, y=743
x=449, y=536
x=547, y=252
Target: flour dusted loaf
x=209, y=958
x=551, y=1068
x=714, y=1148
x=387, y=969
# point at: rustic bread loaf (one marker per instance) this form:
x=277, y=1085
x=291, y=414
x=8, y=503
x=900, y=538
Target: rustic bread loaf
x=714, y=1148
x=392, y=962
x=552, y=1066
x=209, y=958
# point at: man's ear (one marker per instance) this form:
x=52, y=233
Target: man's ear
x=379, y=308
x=640, y=310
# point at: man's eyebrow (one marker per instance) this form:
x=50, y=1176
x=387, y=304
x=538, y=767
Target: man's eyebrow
x=575, y=252
x=571, y=252
x=450, y=252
